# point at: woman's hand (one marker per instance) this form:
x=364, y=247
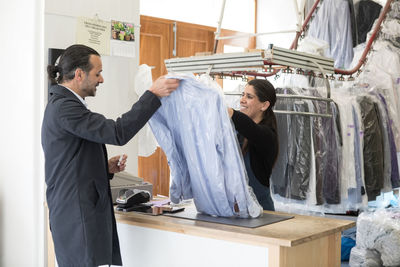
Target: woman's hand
x=230, y=112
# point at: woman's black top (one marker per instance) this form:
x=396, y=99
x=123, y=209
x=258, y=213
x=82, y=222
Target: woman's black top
x=262, y=145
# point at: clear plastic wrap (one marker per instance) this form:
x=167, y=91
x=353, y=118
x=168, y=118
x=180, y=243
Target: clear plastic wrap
x=380, y=231
x=313, y=46
x=394, y=173
x=394, y=10
x=360, y=257
x=295, y=155
x=332, y=24
x=391, y=32
x=382, y=75
x=306, y=171
x=373, y=153
x=193, y=128
x=348, y=134
x=326, y=150
x=147, y=141
x=387, y=164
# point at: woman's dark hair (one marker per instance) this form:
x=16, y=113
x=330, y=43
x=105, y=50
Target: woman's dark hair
x=75, y=56
x=265, y=91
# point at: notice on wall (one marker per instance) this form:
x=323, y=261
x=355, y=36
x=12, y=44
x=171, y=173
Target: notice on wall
x=94, y=33
x=122, y=39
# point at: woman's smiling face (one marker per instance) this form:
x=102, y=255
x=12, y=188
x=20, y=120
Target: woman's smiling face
x=251, y=105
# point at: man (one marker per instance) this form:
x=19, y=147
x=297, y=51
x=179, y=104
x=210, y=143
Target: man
x=77, y=171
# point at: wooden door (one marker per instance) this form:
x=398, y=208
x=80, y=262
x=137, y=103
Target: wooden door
x=156, y=44
x=192, y=38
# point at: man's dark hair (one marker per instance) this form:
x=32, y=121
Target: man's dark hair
x=75, y=56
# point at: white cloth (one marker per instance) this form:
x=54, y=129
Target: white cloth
x=147, y=142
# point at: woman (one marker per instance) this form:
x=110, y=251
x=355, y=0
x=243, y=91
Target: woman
x=257, y=134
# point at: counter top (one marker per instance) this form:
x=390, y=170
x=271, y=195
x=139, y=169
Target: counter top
x=288, y=233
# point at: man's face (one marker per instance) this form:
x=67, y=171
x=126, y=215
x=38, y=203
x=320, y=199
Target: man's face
x=93, y=78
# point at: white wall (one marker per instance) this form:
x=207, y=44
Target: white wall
x=116, y=95
x=21, y=161
x=276, y=16
x=238, y=15
x=23, y=59
x=272, y=16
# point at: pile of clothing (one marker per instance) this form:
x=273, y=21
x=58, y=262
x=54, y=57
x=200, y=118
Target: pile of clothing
x=378, y=239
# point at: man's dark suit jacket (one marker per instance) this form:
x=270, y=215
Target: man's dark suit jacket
x=76, y=168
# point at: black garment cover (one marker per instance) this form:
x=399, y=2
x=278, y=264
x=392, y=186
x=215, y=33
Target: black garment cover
x=367, y=12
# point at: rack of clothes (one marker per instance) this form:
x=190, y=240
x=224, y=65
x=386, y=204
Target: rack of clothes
x=339, y=149
x=359, y=153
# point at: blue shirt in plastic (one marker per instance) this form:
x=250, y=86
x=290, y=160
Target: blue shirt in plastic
x=193, y=128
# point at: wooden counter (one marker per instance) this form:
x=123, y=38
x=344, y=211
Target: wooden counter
x=301, y=241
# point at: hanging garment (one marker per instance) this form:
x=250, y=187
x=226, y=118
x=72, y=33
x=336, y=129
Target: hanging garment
x=394, y=175
x=354, y=32
x=391, y=32
x=387, y=166
x=348, y=175
x=394, y=10
x=193, y=128
x=381, y=75
x=279, y=178
x=358, y=160
x=326, y=150
x=291, y=174
x=300, y=152
x=367, y=12
x=332, y=24
x=372, y=147
x=332, y=159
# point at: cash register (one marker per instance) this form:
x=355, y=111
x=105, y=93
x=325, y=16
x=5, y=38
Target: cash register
x=125, y=180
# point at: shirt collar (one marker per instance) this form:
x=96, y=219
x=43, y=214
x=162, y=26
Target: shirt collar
x=78, y=96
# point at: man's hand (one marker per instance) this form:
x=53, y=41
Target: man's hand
x=115, y=165
x=163, y=86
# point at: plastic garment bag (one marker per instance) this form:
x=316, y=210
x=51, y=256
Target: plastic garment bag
x=377, y=232
x=307, y=167
x=326, y=150
x=146, y=139
x=373, y=148
x=347, y=168
x=387, y=166
x=395, y=10
x=193, y=128
x=391, y=32
x=395, y=177
x=382, y=75
x=332, y=23
x=367, y=11
x=291, y=175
